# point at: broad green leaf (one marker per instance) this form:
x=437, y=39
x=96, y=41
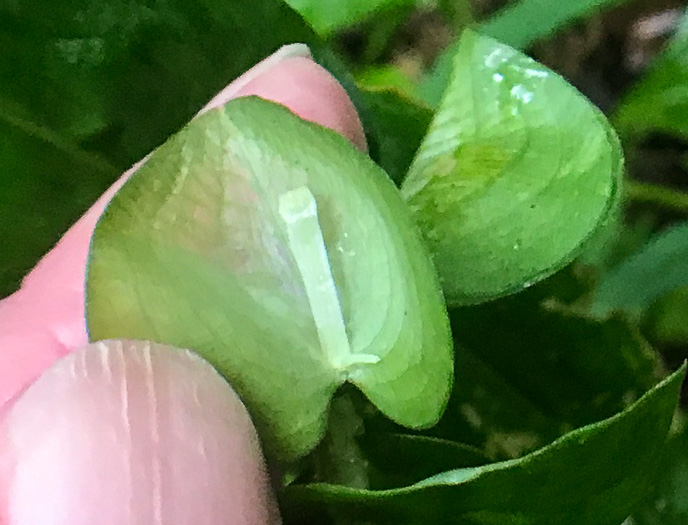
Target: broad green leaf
x=120, y=77
x=519, y=25
x=487, y=412
x=516, y=172
x=287, y=259
x=659, y=268
x=594, y=475
x=659, y=101
x=328, y=16
x=528, y=370
x=572, y=369
x=112, y=79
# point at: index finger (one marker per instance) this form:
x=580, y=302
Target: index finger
x=45, y=319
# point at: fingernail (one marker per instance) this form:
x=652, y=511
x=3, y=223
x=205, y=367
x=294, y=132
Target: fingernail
x=283, y=53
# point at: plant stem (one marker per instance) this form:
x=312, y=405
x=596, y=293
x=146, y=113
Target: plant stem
x=664, y=196
x=339, y=458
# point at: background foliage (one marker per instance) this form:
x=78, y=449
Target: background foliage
x=89, y=90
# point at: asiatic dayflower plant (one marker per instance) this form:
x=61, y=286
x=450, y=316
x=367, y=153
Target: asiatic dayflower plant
x=289, y=260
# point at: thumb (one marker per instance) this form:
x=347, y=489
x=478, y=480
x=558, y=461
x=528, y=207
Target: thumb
x=127, y=432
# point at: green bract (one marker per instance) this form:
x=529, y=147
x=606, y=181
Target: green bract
x=516, y=172
x=287, y=259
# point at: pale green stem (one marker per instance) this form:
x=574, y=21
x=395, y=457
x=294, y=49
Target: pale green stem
x=299, y=211
x=339, y=458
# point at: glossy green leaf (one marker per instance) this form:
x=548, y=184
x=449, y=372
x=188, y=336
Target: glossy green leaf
x=487, y=412
x=659, y=268
x=516, y=172
x=287, y=259
x=659, y=101
x=120, y=77
x=575, y=370
x=594, y=475
x=327, y=16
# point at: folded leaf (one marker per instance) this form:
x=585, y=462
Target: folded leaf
x=516, y=172
x=287, y=259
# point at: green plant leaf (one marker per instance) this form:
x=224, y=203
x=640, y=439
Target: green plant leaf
x=516, y=172
x=32, y=183
x=574, y=370
x=284, y=256
x=659, y=101
x=120, y=77
x=529, y=370
x=328, y=16
x=386, y=78
x=666, y=319
x=487, y=412
x=659, y=268
x=594, y=475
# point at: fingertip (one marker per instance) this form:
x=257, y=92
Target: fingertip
x=125, y=432
x=290, y=77
x=52, y=295
x=303, y=86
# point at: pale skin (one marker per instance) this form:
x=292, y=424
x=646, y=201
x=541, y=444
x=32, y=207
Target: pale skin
x=107, y=433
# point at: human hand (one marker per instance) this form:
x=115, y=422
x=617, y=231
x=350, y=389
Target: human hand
x=104, y=435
